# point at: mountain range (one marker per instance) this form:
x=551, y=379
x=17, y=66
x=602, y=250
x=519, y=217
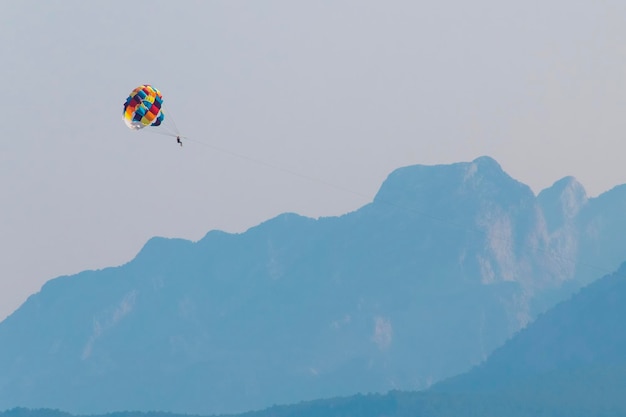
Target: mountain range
x=444, y=266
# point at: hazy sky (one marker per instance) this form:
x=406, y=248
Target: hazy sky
x=337, y=92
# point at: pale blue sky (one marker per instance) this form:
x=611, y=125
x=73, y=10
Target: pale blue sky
x=342, y=92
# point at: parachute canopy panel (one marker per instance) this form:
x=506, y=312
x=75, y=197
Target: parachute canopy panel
x=143, y=108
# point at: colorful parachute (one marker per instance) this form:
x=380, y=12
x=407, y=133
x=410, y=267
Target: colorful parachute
x=143, y=108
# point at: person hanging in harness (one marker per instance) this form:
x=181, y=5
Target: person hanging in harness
x=179, y=141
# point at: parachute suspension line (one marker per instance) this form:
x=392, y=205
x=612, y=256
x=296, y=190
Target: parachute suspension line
x=170, y=119
x=167, y=127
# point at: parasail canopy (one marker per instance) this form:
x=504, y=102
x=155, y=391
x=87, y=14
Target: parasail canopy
x=143, y=107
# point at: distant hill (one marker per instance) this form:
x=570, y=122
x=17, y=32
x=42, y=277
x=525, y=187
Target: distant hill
x=574, y=353
x=440, y=269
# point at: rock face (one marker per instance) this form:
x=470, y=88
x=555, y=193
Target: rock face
x=440, y=269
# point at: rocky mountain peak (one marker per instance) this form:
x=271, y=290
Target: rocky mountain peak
x=562, y=201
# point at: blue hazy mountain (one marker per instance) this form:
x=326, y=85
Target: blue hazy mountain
x=442, y=267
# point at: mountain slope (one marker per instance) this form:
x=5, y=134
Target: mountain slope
x=577, y=348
